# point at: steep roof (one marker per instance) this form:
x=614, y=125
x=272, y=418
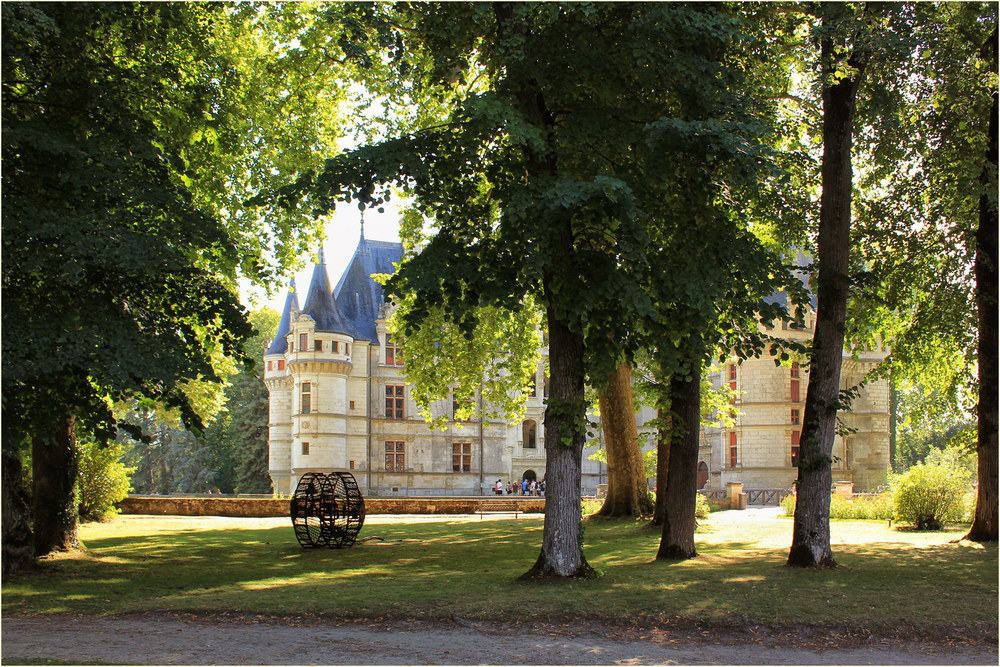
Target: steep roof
x=359, y=296
x=321, y=305
x=280, y=345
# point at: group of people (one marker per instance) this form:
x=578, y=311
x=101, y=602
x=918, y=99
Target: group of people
x=522, y=488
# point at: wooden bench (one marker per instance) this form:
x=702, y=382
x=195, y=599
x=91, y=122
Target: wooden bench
x=497, y=507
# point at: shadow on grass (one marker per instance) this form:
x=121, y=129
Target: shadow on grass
x=444, y=568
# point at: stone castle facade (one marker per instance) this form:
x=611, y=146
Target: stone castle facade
x=339, y=402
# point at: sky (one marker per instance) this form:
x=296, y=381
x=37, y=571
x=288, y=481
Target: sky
x=343, y=230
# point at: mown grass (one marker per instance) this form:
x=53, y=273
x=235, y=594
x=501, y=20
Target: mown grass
x=888, y=579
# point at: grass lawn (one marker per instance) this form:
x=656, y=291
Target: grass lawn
x=890, y=580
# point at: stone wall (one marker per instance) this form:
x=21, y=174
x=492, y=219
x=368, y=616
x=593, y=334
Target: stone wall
x=220, y=505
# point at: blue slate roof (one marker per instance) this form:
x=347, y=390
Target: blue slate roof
x=360, y=297
x=280, y=343
x=321, y=305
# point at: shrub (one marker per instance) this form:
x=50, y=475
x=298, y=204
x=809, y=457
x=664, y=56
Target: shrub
x=103, y=480
x=701, y=507
x=930, y=495
x=590, y=505
x=859, y=507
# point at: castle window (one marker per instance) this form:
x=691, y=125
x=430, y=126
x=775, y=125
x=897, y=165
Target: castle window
x=269, y=365
x=352, y=405
x=395, y=456
x=347, y=349
x=734, y=453
x=456, y=405
x=393, y=352
x=732, y=373
x=794, y=383
x=461, y=457
x=306, y=397
x=281, y=364
x=534, y=384
x=317, y=346
x=795, y=416
x=394, y=401
x=529, y=429
x=303, y=342
x=305, y=449
x=795, y=448
x=334, y=347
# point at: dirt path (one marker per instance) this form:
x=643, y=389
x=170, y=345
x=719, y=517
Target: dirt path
x=180, y=639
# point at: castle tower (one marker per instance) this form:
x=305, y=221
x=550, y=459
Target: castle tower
x=279, y=386
x=318, y=359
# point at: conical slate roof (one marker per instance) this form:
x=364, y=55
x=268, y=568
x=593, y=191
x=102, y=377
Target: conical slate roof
x=321, y=305
x=359, y=296
x=280, y=343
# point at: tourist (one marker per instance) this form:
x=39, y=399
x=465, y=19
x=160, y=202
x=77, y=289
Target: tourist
x=498, y=489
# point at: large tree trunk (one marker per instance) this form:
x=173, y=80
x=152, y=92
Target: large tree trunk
x=562, y=548
x=677, y=540
x=811, y=527
x=18, y=548
x=565, y=414
x=628, y=491
x=54, y=471
x=984, y=525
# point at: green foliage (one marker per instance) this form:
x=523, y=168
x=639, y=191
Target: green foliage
x=590, y=505
x=929, y=495
x=493, y=361
x=702, y=507
x=103, y=480
x=923, y=149
x=118, y=279
x=926, y=424
x=238, y=442
x=878, y=506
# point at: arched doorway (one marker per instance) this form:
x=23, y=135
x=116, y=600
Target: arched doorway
x=529, y=475
x=702, y=474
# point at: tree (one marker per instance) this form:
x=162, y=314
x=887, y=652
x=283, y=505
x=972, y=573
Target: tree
x=985, y=522
x=540, y=184
x=842, y=69
x=925, y=194
x=132, y=132
x=628, y=491
x=89, y=202
x=238, y=440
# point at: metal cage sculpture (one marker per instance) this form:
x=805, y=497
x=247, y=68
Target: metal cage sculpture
x=327, y=510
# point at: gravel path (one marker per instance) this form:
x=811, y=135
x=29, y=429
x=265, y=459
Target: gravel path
x=178, y=639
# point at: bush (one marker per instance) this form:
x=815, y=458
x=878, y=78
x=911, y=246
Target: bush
x=702, y=508
x=859, y=507
x=590, y=505
x=862, y=507
x=929, y=495
x=103, y=480
x=788, y=505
